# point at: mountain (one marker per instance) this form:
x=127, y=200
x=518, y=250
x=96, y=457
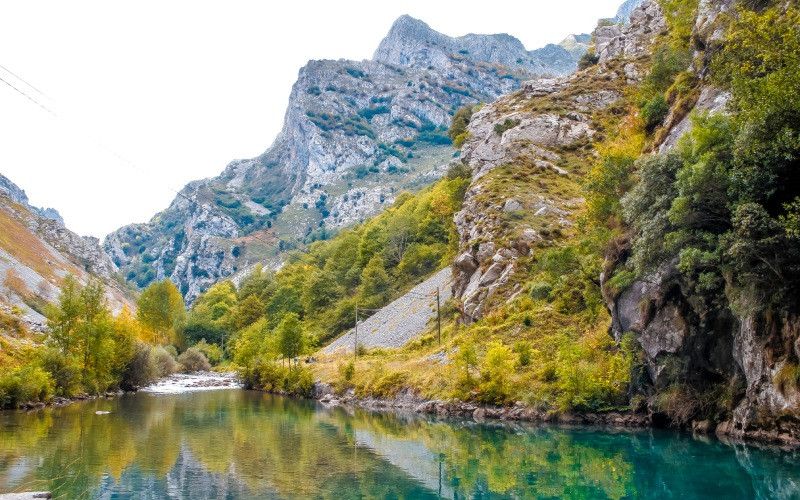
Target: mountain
x=37, y=252
x=355, y=134
x=577, y=45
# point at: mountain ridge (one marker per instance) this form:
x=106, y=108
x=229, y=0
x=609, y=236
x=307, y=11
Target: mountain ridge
x=37, y=252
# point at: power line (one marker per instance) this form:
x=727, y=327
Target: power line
x=29, y=97
x=24, y=81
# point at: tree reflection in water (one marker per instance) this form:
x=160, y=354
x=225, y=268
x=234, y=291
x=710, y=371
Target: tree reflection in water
x=234, y=443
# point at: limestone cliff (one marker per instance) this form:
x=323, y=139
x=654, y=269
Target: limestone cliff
x=355, y=134
x=543, y=134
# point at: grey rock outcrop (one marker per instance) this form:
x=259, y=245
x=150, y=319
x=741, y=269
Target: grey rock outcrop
x=413, y=43
x=624, y=12
x=17, y=195
x=630, y=40
x=522, y=133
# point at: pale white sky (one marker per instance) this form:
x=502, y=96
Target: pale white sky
x=180, y=88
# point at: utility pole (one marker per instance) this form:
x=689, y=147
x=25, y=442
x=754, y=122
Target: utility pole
x=438, y=316
x=355, y=341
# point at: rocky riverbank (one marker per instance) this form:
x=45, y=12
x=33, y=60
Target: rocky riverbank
x=173, y=384
x=61, y=401
x=408, y=400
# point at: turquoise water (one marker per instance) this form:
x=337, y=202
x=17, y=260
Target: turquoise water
x=243, y=444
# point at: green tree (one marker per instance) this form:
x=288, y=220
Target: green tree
x=375, y=284
x=286, y=300
x=255, y=283
x=95, y=331
x=250, y=309
x=320, y=291
x=399, y=232
x=372, y=242
x=64, y=319
x=82, y=329
x=290, y=336
x=458, y=125
x=162, y=313
x=253, y=343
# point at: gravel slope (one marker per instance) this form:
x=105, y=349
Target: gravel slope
x=397, y=323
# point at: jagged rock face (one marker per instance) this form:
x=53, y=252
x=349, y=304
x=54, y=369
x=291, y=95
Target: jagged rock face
x=484, y=267
x=37, y=253
x=630, y=40
x=711, y=100
x=17, y=195
x=624, y=12
x=709, y=31
x=701, y=347
x=355, y=134
x=521, y=134
x=413, y=43
x=203, y=250
x=671, y=326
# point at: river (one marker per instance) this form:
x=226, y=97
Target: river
x=233, y=443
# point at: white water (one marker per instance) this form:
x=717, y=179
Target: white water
x=204, y=381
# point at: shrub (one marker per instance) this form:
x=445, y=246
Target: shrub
x=654, y=111
x=497, y=365
x=164, y=361
x=787, y=377
x=266, y=375
x=540, y=290
x=62, y=369
x=460, y=139
x=458, y=125
x=388, y=385
x=459, y=171
x=368, y=113
x=212, y=352
x=588, y=59
x=347, y=371
x=193, y=360
x=523, y=350
x=508, y=124
x=27, y=384
x=142, y=369
x=621, y=280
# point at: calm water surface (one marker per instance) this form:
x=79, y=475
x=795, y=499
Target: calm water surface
x=242, y=444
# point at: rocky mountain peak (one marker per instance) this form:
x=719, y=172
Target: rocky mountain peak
x=412, y=43
x=17, y=195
